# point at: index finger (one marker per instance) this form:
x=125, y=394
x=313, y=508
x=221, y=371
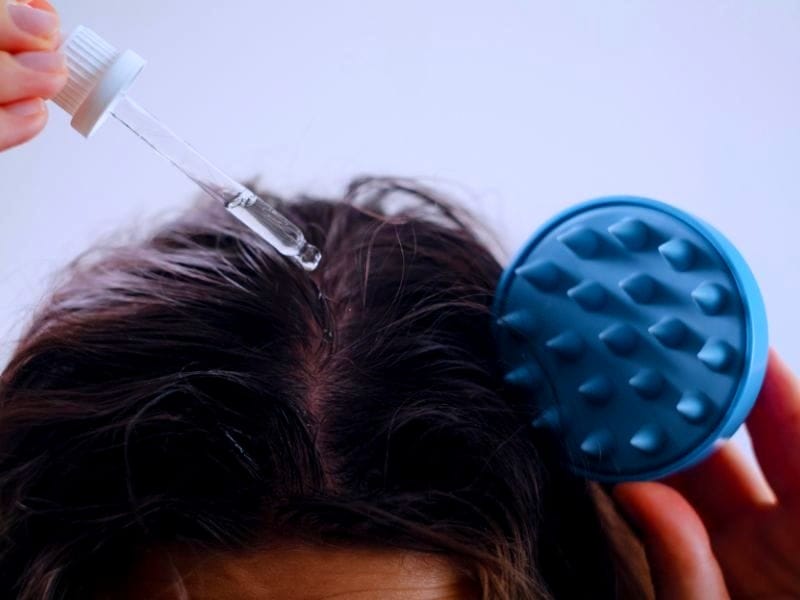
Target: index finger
x=774, y=426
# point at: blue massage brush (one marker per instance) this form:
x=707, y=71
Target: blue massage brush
x=639, y=333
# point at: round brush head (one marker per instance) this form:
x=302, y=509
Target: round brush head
x=639, y=333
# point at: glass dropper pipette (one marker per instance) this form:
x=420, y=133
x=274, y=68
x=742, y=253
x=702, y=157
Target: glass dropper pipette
x=99, y=77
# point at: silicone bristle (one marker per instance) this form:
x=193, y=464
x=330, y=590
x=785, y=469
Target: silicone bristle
x=649, y=439
x=597, y=444
x=520, y=322
x=640, y=287
x=548, y=419
x=597, y=390
x=694, y=406
x=678, y=253
x=526, y=376
x=543, y=274
x=621, y=338
x=588, y=294
x=710, y=297
x=649, y=383
x=670, y=331
x=717, y=355
x=632, y=233
x=582, y=241
x=567, y=345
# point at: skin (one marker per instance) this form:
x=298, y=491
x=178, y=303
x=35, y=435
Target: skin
x=719, y=530
x=298, y=571
x=30, y=68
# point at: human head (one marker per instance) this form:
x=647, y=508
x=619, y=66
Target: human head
x=194, y=393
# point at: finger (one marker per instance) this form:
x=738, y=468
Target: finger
x=676, y=542
x=45, y=5
x=28, y=27
x=722, y=487
x=774, y=426
x=42, y=4
x=21, y=121
x=31, y=74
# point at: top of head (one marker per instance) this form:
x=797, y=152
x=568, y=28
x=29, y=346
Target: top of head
x=639, y=330
x=99, y=75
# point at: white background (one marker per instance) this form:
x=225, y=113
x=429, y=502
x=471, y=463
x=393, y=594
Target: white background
x=524, y=107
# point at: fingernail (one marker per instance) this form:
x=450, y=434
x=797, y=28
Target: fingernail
x=26, y=108
x=48, y=62
x=41, y=23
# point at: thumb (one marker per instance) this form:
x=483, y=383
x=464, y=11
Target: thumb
x=678, y=549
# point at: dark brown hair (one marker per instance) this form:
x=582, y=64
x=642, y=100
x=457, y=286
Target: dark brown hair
x=195, y=388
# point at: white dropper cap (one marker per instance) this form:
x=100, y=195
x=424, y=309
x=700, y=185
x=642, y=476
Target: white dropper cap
x=99, y=75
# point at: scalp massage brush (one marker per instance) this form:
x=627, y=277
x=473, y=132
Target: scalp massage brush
x=637, y=331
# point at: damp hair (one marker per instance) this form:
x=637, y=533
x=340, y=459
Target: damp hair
x=195, y=388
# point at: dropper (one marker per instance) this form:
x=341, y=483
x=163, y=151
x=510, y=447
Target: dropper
x=99, y=78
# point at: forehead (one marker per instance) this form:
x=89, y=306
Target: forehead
x=298, y=571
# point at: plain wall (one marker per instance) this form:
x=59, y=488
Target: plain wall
x=523, y=107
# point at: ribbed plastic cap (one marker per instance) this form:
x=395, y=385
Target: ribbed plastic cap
x=99, y=75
